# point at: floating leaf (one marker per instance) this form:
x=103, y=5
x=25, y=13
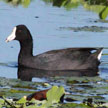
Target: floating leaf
x=1, y=103
x=55, y=93
x=22, y=101
x=26, y=3
x=103, y=14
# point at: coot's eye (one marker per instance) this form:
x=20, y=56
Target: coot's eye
x=19, y=31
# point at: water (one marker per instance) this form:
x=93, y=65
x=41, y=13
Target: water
x=44, y=22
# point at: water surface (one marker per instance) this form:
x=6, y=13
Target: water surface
x=45, y=23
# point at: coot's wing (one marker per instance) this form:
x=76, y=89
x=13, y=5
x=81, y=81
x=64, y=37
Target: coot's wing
x=63, y=59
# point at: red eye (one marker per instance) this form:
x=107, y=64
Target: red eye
x=19, y=31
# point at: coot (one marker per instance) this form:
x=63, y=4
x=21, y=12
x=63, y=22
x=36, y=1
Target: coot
x=62, y=59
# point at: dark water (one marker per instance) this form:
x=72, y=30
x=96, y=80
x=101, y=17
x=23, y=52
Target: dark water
x=50, y=30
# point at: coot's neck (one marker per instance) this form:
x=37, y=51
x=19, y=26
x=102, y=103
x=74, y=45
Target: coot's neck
x=26, y=48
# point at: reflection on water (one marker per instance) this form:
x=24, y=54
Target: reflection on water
x=26, y=74
x=98, y=6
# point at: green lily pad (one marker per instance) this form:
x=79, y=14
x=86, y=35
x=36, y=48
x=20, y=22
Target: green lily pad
x=55, y=93
x=104, y=13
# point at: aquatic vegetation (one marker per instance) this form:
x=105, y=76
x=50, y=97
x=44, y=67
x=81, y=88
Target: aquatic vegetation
x=53, y=98
x=103, y=14
x=98, y=2
x=98, y=6
x=24, y=3
x=15, y=88
x=82, y=92
x=86, y=28
x=68, y=4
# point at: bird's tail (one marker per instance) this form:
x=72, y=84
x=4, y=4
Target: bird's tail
x=98, y=53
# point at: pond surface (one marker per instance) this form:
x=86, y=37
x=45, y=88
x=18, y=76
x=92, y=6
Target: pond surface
x=55, y=28
x=51, y=28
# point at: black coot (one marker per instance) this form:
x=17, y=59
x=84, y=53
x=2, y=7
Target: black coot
x=63, y=59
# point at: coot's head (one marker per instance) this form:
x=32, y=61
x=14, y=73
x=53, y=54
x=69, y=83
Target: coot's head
x=19, y=33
